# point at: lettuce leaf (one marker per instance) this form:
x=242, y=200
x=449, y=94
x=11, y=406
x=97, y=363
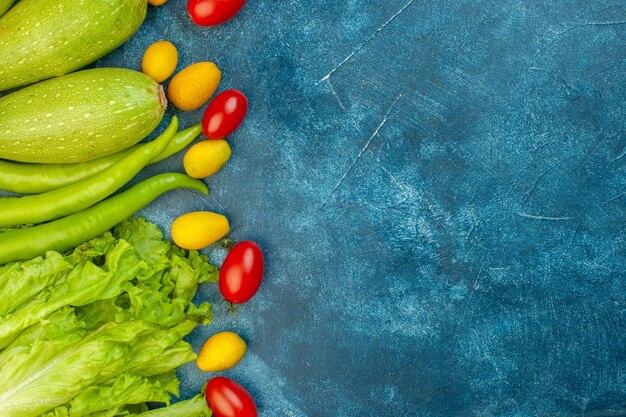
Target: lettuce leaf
x=56, y=325
x=195, y=407
x=82, y=285
x=98, y=331
x=51, y=373
x=124, y=390
x=20, y=281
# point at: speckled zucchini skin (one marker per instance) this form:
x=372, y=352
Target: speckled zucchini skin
x=79, y=116
x=40, y=39
x=5, y=5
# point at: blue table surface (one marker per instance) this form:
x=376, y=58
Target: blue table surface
x=439, y=188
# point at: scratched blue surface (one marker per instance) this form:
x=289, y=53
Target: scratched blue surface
x=439, y=187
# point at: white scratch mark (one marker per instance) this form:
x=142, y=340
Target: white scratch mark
x=587, y=157
x=476, y=284
x=368, y=40
x=532, y=188
x=569, y=245
x=536, y=182
x=466, y=309
x=615, y=198
x=590, y=24
x=430, y=106
x=406, y=188
x=470, y=232
x=332, y=90
x=535, y=217
x=362, y=151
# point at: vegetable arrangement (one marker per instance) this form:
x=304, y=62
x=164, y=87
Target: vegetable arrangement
x=94, y=303
x=69, y=231
x=84, y=193
x=39, y=178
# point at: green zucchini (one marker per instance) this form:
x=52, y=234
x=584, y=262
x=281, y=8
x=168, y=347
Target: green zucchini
x=79, y=117
x=5, y=5
x=45, y=39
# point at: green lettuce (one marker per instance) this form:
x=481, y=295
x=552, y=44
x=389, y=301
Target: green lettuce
x=195, y=407
x=98, y=331
x=20, y=281
x=125, y=389
x=85, y=283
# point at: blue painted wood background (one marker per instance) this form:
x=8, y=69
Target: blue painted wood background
x=439, y=187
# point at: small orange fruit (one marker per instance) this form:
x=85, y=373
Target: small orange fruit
x=160, y=60
x=221, y=351
x=193, y=86
x=199, y=229
x=206, y=158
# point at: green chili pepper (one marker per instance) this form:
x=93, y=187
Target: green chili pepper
x=179, y=142
x=39, y=208
x=40, y=178
x=68, y=232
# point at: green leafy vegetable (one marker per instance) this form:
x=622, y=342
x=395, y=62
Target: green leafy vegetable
x=125, y=389
x=195, y=407
x=98, y=331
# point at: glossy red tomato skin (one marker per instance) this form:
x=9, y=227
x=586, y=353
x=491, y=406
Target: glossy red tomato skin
x=226, y=398
x=213, y=12
x=242, y=272
x=224, y=114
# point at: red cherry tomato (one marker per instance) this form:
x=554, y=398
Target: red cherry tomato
x=224, y=114
x=226, y=398
x=242, y=272
x=213, y=12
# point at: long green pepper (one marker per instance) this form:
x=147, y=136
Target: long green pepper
x=68, y=232
x=34, y=209
x=40, y=178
